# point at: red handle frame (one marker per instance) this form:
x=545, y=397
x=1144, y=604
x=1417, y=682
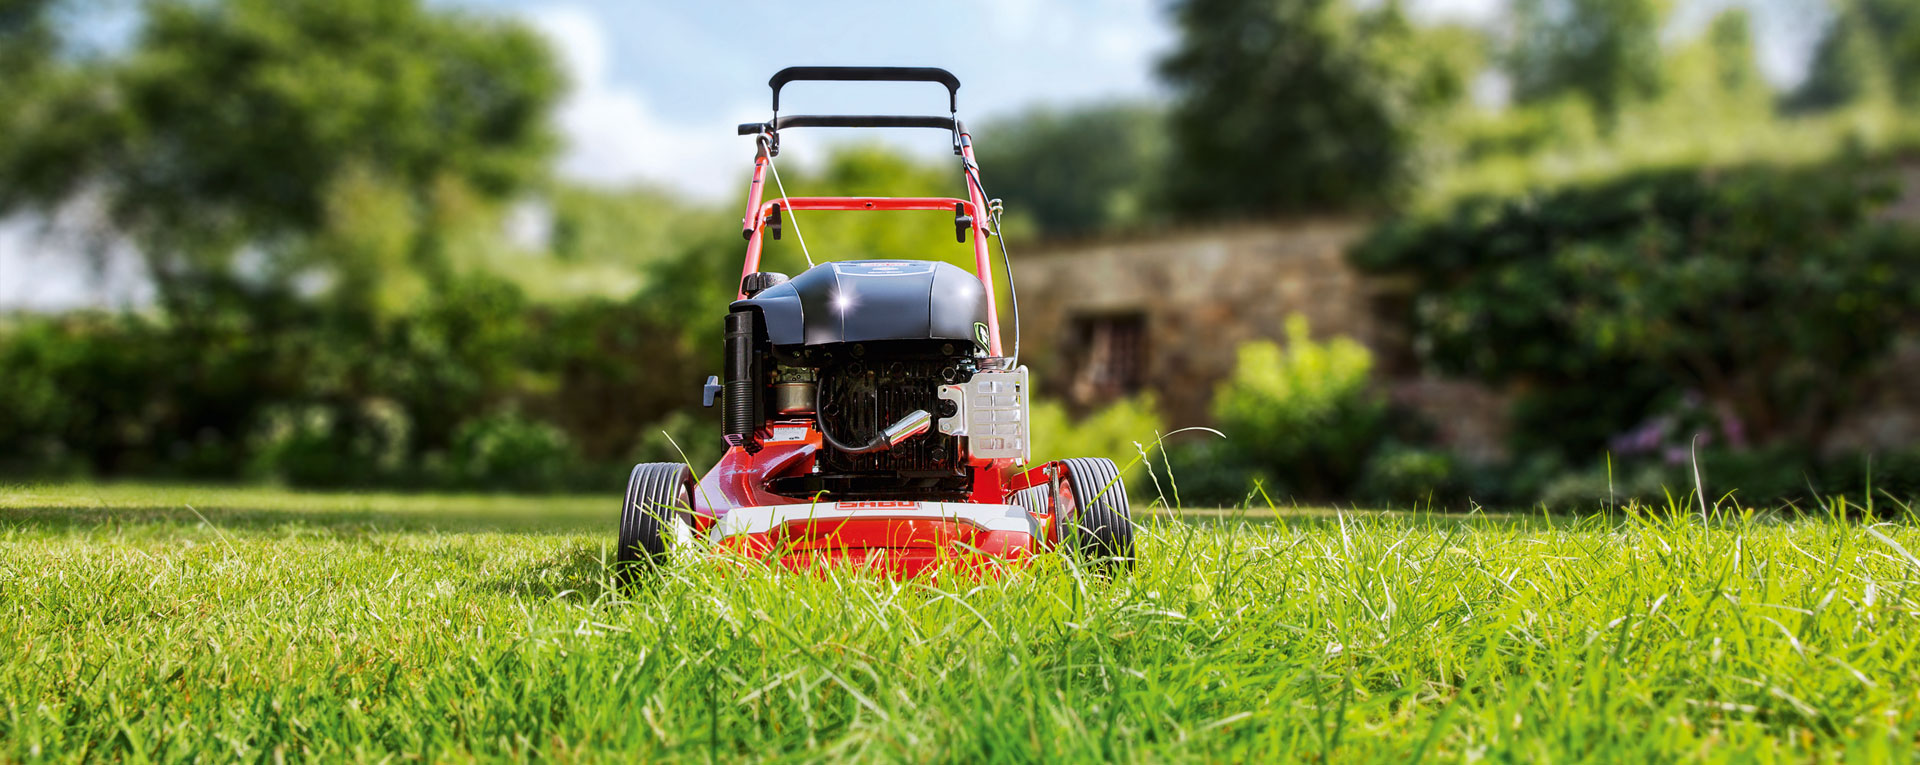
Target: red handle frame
x=753, y=223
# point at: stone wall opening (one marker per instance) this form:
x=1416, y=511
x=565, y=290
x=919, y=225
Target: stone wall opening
x=1108, y=356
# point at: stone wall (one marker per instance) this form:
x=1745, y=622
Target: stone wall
x=1198, y=294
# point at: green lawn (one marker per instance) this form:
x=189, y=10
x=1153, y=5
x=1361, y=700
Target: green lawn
x=171, y=623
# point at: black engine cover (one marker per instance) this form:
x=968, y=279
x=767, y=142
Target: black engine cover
x=866, y=300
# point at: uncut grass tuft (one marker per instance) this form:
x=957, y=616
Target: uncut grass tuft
x=175, y=623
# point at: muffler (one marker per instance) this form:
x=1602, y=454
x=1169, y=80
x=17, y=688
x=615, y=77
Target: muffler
x=916, y=422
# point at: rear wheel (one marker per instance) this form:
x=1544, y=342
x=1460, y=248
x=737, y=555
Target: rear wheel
x=1032, y=499
x=656, y=513
x=1090, y=508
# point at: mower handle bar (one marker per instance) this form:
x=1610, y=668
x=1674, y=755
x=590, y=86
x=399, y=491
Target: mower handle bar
x=849, y=121
x=867, y=74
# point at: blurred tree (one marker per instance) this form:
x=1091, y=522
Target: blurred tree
x=1298, y=105
x=316, y=135
x=1899, y=24
x=27, y=38
x=630, y=226
x=1604, y=51
x=1870, y=50
x=1712, y=84
x=1736, y=65
x=29, y=46
x=866, y=170
x=1073, y=171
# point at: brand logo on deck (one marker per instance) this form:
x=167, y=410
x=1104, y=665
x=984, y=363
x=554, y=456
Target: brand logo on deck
x=879, y=505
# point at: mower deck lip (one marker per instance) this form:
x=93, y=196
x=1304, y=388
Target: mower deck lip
x=760, y=519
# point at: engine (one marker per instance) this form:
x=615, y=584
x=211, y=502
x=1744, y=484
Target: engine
x=889, y=360
x=854, y=392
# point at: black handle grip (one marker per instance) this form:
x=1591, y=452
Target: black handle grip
x=863, y=121
x=867, y=74
x=850, y=121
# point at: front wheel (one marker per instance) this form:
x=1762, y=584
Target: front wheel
x=658, y=506
x=1091, y=511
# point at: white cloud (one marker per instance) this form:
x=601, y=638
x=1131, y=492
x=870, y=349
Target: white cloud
x=1477, y=12
x=614, y=137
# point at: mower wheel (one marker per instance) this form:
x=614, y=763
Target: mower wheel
x=659, y=501
x=1090, y=505
x=1032, y=499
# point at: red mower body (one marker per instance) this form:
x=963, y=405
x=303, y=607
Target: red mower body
x=900, y=537
x=871, y=415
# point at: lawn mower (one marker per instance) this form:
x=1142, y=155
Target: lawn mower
x=870, y=416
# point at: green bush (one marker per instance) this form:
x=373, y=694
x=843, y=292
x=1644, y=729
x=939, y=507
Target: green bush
x=1402, y=476
x=1210, y=472
x=507, y=451
x=1303, y=413
x=322, y=446
x=1893, y=475
x=1763, y=291
x=684, y=436
x=1762, y=478
x=133, y=394
x=257, y=382
x=1117, y=432
x=612, y=371
x=1078, y=170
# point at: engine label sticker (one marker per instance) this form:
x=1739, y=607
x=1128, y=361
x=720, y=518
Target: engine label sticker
x=788, y=434
x=980, y=333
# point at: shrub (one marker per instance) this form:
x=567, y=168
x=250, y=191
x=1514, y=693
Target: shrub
x=1763, y=478
x=1210, y=472
x=1112, y=433
x=683, y=436
x=257, y=381
x=317, y=445
x=132, y=394
x=1591, y=490
x=1891, y=475
x=1408, y=476
x=1765, y=291
x=1302, y=413
x=508, y=452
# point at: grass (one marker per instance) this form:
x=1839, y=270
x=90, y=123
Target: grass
x=257, y=624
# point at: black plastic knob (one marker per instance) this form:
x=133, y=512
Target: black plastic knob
x=757, y=281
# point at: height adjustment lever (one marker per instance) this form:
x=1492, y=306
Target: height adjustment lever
x=961, y=222
x=773, y=221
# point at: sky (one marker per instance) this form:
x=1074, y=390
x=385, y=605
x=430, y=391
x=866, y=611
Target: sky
x=658, y=86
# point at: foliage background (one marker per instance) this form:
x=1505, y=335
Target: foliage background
x=1641, y=237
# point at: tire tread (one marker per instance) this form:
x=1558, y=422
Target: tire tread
x=1104, y=524
x=643, y=531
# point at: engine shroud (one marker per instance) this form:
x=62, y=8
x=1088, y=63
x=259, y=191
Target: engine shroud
x=863, y=301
